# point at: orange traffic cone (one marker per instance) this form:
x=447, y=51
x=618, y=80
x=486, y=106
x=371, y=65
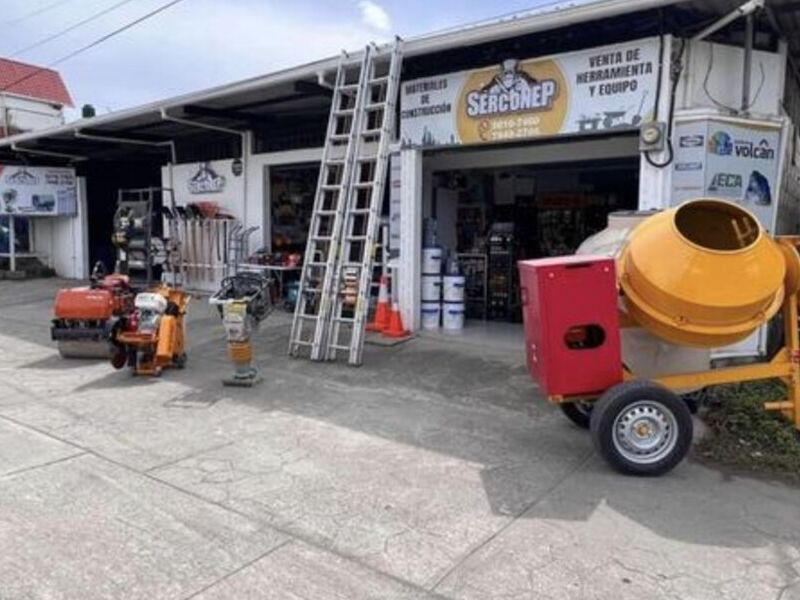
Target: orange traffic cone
x=382, y=311
x=395, y=328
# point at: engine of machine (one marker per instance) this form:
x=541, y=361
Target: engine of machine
x=150, y=308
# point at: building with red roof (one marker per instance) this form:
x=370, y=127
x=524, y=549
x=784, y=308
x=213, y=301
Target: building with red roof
x=31, y=97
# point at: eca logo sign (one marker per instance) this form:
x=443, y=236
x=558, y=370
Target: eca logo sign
x=730, y=182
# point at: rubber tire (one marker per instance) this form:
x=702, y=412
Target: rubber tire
x=579, y=416
x=614, y=401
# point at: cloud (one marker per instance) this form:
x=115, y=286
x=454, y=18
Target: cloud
x=190, y=47
x=374, y=15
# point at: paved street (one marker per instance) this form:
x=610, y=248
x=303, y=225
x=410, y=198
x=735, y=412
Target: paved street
x=434, y=471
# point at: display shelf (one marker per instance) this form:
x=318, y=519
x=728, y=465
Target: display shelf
x=475, y=269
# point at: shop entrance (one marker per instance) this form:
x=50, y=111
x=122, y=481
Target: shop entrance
x=484, y=220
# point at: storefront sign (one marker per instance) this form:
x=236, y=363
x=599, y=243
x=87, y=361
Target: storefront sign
x=733, y=160
x=609, y=88
x=37, y=191
x=206, y=181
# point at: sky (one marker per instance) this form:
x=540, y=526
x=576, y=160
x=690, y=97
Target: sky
x=198, y=44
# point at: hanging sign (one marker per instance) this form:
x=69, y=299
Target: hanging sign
x=598, y=90
x=37, y=191
x=735, y=161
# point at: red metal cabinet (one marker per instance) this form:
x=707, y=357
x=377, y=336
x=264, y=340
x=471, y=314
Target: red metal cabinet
x=572, y=337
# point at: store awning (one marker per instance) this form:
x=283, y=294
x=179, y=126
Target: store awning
x=149, y=130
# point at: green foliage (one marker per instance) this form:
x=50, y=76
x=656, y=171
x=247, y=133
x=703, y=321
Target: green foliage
x=742, y=434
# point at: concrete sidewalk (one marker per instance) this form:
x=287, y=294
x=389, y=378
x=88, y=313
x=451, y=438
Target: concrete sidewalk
x=434, y=471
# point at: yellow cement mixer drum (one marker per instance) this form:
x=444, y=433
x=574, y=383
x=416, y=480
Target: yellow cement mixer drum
x=704, y=274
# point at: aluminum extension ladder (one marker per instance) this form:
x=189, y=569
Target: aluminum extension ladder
x=335, y=282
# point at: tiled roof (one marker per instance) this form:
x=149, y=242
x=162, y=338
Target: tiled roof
x=23, y=79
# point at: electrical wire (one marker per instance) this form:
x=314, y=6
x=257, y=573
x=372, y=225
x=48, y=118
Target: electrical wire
x=720, y=104
x=676, y=68
x=69, y=29
x=35, y=13
x=94, y=43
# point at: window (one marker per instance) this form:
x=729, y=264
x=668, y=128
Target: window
x=22, y=233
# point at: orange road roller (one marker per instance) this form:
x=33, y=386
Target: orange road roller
x=86, y=317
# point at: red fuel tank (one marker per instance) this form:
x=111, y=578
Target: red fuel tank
x=84, y=304
x=572, y=340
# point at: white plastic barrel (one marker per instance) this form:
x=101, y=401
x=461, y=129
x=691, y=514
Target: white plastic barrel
x=431, y=315
x=453, y=288
x=431, y=288
x=453, y=314
x=432, y=261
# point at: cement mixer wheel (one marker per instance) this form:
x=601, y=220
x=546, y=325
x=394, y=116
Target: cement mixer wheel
x=641, y=428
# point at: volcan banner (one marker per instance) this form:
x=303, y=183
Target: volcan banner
x=597, y=90
x=37, y=191
x=735, y=161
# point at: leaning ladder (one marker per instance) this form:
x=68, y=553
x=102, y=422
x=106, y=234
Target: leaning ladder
x=353, y=275
x=309, y=325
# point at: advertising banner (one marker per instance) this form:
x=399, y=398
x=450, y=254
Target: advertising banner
x=37, y=191
x=735, y=161
x=597, y=90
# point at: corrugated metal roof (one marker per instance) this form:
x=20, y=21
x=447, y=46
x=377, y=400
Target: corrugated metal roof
x=28, y=80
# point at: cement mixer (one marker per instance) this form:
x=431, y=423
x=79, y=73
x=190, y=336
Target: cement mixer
x=700, y=276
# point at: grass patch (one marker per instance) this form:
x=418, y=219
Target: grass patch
x=742, y=434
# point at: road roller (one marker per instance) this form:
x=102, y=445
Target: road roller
x=86, y=316
x=617, y=336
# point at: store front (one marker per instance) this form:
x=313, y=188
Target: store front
x=485, y=220
x=42, y=220
x=520, y=160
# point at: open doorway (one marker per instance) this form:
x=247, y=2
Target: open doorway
x=485, y=220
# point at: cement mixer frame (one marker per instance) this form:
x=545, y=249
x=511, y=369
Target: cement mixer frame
x=642, y=426
x=784, y=365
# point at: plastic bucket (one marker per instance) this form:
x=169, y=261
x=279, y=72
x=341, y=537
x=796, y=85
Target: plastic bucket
x=432, y=261
x=453, y=314
x=453, y=288
x=431, y=288
x=431, y=314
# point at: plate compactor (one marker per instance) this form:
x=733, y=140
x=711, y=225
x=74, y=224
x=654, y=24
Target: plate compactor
x=243, y=301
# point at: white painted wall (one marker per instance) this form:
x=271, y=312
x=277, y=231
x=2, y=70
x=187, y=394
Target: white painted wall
x=408, y=267
x=26, y=114
x=62, y=243
x=245, y=197
x=714, y=75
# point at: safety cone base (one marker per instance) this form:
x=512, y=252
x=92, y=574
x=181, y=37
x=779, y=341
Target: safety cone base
x=396, y=334
x=382, y=311
x=395, y=328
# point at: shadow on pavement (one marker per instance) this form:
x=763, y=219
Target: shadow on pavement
x=461, y=403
